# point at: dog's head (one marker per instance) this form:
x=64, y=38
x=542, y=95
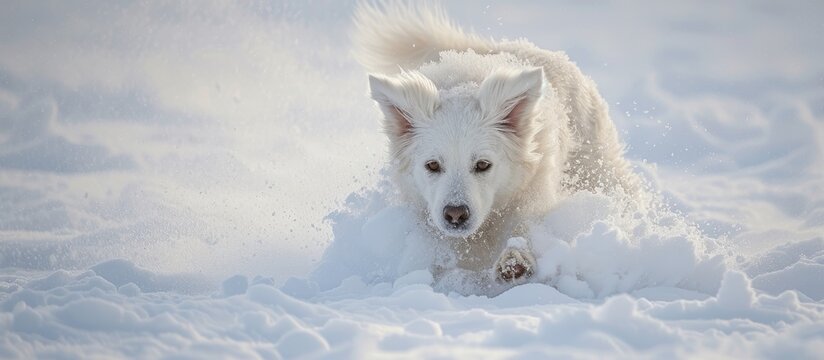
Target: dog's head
x=463, y=152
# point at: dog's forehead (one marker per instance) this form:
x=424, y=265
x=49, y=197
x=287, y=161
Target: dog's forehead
x=455, y=144
x=458, y=107
x=459, y=98
x=454, y=131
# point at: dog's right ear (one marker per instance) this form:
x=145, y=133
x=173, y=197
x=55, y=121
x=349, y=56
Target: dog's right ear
x=405, y=99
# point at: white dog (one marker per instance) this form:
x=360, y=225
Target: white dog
x=485, y=135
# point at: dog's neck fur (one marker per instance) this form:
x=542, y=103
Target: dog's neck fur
x=478, y=251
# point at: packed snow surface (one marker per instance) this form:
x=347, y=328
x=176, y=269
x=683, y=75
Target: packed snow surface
x=206, y=181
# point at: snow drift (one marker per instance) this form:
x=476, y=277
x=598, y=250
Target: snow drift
x=590, y=246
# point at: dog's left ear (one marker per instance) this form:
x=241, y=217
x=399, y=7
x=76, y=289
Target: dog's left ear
x=510, y=97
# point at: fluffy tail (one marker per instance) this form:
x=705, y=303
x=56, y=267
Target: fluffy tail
x=392, y=35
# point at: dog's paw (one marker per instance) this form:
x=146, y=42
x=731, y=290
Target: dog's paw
x=514, y=263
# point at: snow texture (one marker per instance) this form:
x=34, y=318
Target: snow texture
x=204, y=180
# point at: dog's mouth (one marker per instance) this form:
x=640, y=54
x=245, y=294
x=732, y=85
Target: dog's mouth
x=464, y=230
x=455, y=231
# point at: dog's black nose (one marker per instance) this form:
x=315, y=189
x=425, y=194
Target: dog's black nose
x=456, y=215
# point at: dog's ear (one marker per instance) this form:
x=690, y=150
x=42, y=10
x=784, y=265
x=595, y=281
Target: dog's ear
x=405, y=99
x=509, y=97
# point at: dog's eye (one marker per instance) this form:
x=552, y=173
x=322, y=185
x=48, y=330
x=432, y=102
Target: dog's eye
x=433, y=166
x=482, y=166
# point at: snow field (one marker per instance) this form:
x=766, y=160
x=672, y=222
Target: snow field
x=75, y=315
x=165, y=173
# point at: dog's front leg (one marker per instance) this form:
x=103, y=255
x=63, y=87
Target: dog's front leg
x=516, y=262
x=466, y=282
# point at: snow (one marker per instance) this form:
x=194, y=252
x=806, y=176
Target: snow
x=85, y=314
x=180, y=181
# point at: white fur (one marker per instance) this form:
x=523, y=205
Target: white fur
x=454, y=98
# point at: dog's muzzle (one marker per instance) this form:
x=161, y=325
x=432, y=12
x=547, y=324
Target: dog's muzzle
x=456, y=216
